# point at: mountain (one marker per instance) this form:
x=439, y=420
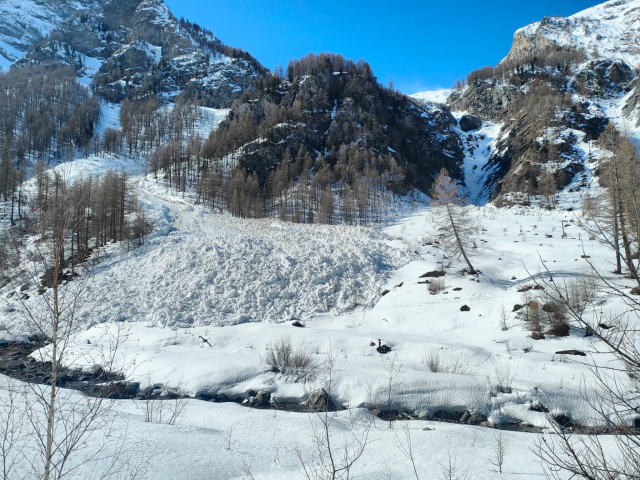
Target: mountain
x=608, y=31
x=331, y=118
x=133, y=48
x=25, y=22
x=552, y=96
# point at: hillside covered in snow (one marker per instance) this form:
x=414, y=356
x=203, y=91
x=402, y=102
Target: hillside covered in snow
x=212, y=270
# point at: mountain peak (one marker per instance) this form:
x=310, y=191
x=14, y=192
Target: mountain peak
x=608, y=30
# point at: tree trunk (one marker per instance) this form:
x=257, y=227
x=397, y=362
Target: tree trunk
x=455, y=232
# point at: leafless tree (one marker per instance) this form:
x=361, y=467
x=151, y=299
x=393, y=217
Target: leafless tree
x=450, y=470
x=613, y=393
x=500, y=447
x=457, y=229
x=394, y=374
x=404, y=443
x=68, y=429
x=13, y=431
x=328, y=461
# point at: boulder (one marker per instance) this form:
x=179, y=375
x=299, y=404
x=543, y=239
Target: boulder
x=321, y=401
x=465, y=308
x=469, y=123
x=433, y=274
x=562, y=420
x=263, y=399
x=477, y=419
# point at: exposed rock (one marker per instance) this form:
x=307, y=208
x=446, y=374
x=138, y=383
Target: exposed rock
x=538, y=407
x=484, y=100
x=469, y=123
x=571, y=352
x=434, y=274
x=321, y=401
x=448, y=416
x=262, y=399
x=465, y=308
x=562, y=420
x=477, y=419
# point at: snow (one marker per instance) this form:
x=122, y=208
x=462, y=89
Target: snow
x=238, y=283
x=479, y=146
x=109, y=117
x=608, y=29
x=433, y=96
x=8, y=55
x=91, y=67
x=197, y=447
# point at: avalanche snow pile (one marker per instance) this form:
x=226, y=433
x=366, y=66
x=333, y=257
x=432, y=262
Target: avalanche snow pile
x=201, y=268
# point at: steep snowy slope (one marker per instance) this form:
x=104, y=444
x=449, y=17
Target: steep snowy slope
x=553, y=95
x=608, y=30
x=138, y=47
x=24, y=22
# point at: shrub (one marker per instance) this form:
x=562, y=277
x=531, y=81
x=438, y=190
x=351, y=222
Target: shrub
x=283, y=357
x=436, y=286
x=436, y=363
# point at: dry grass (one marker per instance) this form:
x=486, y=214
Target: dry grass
x=283, y=357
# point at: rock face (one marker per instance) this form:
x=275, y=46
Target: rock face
x=550, y=96
x=25, y=22
x=133, y=47
x=484, y=100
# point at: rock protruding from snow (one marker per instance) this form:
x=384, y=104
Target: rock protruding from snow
x=321, y=401
x=469, y=123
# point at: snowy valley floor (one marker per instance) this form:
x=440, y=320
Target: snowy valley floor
x=240, y=283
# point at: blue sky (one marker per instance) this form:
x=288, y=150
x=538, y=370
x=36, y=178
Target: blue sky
x=420, y=45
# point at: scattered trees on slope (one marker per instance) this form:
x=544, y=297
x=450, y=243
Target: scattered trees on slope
x=44, y=114
x=613, y=218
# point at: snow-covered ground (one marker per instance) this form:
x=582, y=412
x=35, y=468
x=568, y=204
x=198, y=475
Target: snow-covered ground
x=237, y=283
x=208, y=293
x=216, y=440
x=434, y=96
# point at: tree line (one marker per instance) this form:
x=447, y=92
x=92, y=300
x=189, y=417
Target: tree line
x=97, y=211
x=44, y=115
